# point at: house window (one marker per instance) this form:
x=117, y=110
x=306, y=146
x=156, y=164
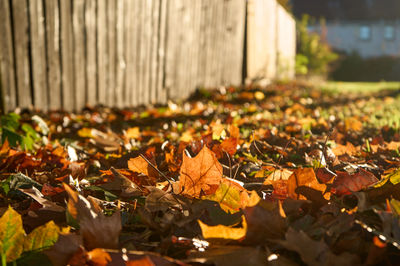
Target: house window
x=365, y=32
x=388, y=33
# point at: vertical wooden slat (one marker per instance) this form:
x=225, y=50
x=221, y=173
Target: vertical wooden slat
x=140, y=44
x=67, y=56
x=7, y=74
x=53, y=53
x=170, y=56
x=155, y=30
x=161, y=52
x=209, y=47
x=38, y=52
x=202, y=44
x=234, y=40
x=78, y=17
x=111, y=39
x=121, y=63
x=91, y=56
x=20, y=17
x=193, y=82
x=102, y=51
x=130, y=76
x=146, y=33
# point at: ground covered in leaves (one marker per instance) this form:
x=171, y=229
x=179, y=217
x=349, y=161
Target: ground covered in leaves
x=283, y=175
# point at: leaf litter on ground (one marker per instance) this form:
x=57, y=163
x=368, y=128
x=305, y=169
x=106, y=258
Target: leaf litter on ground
x=281, y=175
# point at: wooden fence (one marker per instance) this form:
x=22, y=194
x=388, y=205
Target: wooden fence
x=271, y=41
x=68, y=53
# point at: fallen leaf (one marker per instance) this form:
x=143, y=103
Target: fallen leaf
x=345, y=183
x=12, y=235
x=344, y=149
x=65, y=247
x=132, y=133
x=97, y=230
x=42, y=237
x=223, y=232
x=200, y=175
x=232, y=197
x=315, y=253
x=304, y=177
x=121, y=185
x=38, y=196
x=98, y=257
x=264, y=222
x=144, y=261
x=139, y=165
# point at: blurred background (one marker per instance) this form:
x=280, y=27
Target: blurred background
x=356, y=40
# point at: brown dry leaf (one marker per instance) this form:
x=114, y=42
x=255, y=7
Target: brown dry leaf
x=230, y=145
x=281, y=174
x=264, y=222
x=65, y=247
x=346, y=183
x=349, y=149
x=304, y=177
x=38, y=196
x=200, y=175
x=139, y=165
x=353, y=123
x=144, y=261
x=393, y=145
x=97, y=230
x=121, y=185
x=224, y=232
x=98, y=257
x=313, y=252
x=132, y=133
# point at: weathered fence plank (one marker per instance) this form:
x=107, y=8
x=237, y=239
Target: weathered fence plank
x=53, y=53
x=67, y=57
x=78, y=17
x=7, y=74
x=121, y=61
x=38, y=54
x=161, y=51
x=91, y=56
x=130, y=43
x=102, y=52
x=21, y=39
x=112, y=51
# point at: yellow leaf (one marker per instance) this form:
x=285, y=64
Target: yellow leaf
x=85, y=132
x=12, y=235
x=259, y=95
x=232, y=197
x=133, y=133
x=42, y=237
x=186, y=136
x=224, y=232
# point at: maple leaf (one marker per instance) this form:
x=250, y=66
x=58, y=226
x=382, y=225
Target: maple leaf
x=200, y=175
x=232, y=197
x=97, y=230
x=139, y=165
x=304, y=177
x=12, y=235
x=345, y=183
x=223, y=232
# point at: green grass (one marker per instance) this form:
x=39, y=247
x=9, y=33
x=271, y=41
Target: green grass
x=359, y=87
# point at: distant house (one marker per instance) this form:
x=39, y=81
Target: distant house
x=369, y=27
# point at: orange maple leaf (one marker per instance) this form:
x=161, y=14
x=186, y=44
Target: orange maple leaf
x=200, y=175
x=139, y=165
